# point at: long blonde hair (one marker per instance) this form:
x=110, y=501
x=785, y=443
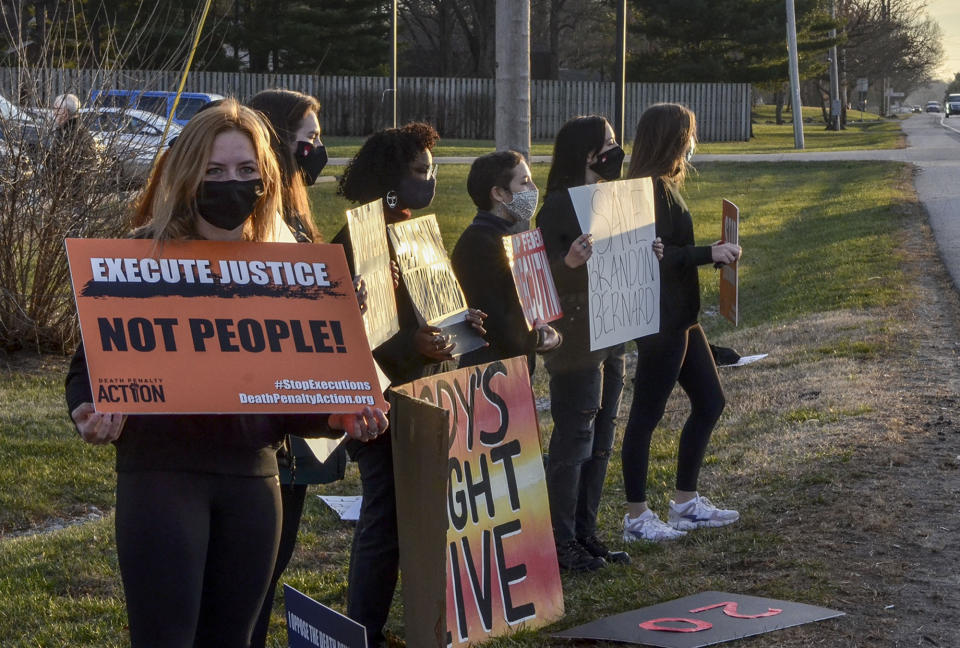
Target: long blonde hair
x=173, y=187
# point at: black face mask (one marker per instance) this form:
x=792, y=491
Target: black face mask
x=412, y=193
x=609, y=163
x=228, y=204
x=310, y=160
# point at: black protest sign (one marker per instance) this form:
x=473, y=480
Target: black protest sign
x=311, y=624
x=429, y=278
x=371, y=260
x=699, y=620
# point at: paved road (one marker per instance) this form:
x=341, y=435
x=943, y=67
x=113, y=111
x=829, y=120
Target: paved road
x=933, y=146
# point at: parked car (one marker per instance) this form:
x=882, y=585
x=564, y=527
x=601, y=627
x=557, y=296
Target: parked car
x=933, y=107
x=131, y=137
x=917, y=109
x=952, y=105
x=159, y=102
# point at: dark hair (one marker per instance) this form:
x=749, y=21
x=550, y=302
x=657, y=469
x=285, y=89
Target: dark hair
x=489, y=171
x=663, y=135
x=384, y=160
x=576, y=140
x=284, y=110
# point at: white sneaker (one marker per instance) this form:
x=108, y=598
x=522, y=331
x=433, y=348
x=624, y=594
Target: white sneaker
x=648, y=527
x=699, y=512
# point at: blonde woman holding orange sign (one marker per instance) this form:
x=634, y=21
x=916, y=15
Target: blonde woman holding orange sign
x=198, y=503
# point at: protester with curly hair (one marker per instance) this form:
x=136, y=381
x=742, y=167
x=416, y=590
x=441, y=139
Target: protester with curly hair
x=394, y=165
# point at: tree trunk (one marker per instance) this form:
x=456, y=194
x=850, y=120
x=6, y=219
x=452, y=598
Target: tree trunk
x=512, y=126
x=778, y=98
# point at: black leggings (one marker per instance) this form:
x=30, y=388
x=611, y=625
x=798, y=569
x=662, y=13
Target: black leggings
x=196, y=552
x=293, y=497
x=663, y=360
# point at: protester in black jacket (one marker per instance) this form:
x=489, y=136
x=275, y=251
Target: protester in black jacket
x=506, y=197
x=585, y=385
x=198, y=503
x=679, y=353
x=393, y=165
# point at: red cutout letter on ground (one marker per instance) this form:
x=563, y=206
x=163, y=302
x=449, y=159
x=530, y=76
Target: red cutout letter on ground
x=730, y=609
x=654, y=624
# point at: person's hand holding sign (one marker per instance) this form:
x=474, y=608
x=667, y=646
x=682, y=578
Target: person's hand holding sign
x=724, y=253
x=658, y=248
x=366, y=425
x=95, y=427
x=431, y=342
x=360, y=287
x=580, y=251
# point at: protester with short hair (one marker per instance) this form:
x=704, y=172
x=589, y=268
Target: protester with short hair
x=197, y=513
x=679, y=353
x=502, y=188
x=585, y=385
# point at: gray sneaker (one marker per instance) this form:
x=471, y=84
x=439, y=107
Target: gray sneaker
x=699, y=512
x=649, y=528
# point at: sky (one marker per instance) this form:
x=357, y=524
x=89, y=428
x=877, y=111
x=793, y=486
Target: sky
x=947, y=13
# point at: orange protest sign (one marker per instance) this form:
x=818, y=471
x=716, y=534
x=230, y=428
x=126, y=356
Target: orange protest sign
x=221, y=327
x=729, y=274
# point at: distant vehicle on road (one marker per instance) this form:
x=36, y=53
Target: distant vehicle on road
x=159, y=102
x=917, y=109
x=131, y=137
x=933, y=107
x=952, y=105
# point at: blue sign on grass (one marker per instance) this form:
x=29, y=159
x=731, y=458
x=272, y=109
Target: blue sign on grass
x=312, y=625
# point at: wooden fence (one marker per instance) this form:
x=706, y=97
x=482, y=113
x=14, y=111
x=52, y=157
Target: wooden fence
x=458, y=108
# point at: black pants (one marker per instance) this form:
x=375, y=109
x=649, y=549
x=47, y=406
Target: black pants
x=196, y=552
x=293, y=497
x=663, y=360
x=375, y=555
x=584, y=403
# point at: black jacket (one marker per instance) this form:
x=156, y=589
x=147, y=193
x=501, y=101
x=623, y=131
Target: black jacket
x=558, y=223
x=227, y=444
x=679, y=282
x=480, y=263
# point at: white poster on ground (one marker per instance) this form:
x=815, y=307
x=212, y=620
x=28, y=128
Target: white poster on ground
x=624, y=272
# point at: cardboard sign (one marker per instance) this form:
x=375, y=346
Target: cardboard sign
x=428, y=275
x=700, y=620
x=624, y=272
x=371, y=260
x=311, y=624
x=729, y=275
x=501, y=563
x=531, y=273
x=220, y=327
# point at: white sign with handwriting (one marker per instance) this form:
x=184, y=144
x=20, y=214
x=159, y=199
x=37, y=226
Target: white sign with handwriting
x=624, y=271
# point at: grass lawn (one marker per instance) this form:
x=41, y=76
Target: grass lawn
x=870, y=132
x=818, y=239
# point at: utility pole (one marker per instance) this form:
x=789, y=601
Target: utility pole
x=393, y=61
x=512, y=125
x=619, y=109
x=834, y=75
x=884, y=82
x=794, y=76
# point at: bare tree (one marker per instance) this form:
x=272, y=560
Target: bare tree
x=55, y=184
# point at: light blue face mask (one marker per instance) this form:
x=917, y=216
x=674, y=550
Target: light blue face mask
x=523, y=205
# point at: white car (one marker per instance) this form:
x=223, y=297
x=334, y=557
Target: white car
x=132, y=137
